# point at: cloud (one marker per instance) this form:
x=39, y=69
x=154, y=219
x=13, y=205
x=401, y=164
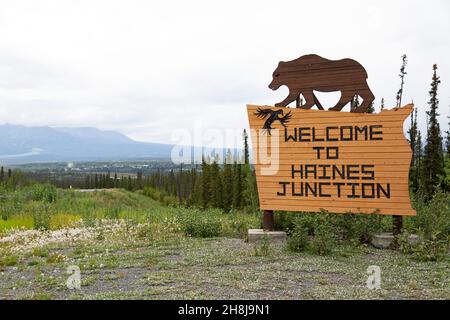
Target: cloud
x=147, y=68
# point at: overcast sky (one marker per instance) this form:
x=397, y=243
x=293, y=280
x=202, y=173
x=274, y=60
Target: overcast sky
x=145, y=68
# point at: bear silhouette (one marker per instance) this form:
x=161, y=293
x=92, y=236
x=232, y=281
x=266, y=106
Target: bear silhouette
x=312, y=72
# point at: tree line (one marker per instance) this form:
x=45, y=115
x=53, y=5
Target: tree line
x=232, y=185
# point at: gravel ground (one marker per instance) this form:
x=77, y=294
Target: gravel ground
x=125, y=266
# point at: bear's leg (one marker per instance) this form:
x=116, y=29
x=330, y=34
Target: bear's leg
x=346, y=97
x=309, y=100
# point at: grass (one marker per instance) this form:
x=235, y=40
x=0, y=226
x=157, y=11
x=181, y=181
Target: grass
x=129, y=246
x=16, y=222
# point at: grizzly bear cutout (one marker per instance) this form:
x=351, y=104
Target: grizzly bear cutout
x=312, y=72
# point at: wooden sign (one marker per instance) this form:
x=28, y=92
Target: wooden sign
x=341, y=162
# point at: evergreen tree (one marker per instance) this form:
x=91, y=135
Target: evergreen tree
x=413, y=136
x=250, y=193
x=2, y=174
x=227, y=201
x=382, y=104
x=433, y=157
x=354, y=103
x=139, y=183
x=371, y=109
x=109, y=183
x=447, y=140
x=238, y=185
x=216, y=185
x=418, y=177
x=246, y=148
x=205, y=184
x=402, y=80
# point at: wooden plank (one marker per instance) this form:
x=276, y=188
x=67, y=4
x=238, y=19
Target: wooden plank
x=342, y=204
x=380, y=168
x=386, y=161
x=297, y=208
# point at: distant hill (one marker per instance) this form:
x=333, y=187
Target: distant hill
x=22, y=144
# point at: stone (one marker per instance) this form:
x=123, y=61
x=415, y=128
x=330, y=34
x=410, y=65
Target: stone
x=257, y=235
x=382, y=240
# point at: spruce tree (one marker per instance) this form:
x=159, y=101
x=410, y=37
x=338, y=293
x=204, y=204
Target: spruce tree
x=246, y=148
x=402, y=80
x=238, y=185
x=447, y=140
x=227, y=200
x=2, y=174
x=413, y=136
x=354, y=103
x=250, y=193
x=419, y=163
x=382, y=104
x=205, y=184
x=216, y=187
x=371, y=109
x=434, y=160
x=139, y=182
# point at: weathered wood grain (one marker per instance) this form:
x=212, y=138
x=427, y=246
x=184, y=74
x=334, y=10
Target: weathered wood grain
x=388, y=160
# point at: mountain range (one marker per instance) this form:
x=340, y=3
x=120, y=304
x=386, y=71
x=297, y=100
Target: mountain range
x=23, y=144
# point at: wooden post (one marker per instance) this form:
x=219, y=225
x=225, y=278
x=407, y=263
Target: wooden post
x=268, y=222
x=397, y=225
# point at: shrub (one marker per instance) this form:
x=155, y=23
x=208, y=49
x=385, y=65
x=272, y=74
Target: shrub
x=324, y=240
x=201, y=225
x=432, y=216
x=43, y=192
x=434, y=249
x=298, y=239
x=359, y=227
x=41, y=216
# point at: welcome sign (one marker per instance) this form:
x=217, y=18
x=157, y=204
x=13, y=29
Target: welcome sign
x=341, y=162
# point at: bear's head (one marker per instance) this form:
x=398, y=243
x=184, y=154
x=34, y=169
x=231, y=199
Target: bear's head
x=278, y=77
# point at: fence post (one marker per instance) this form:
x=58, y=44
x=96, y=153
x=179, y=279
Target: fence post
x=268, y=222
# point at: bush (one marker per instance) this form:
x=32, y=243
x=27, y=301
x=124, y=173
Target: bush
x=359, y=227
x=324, y=240
x=434, y=249
x=41, y=216
x=160, y=196
x=201, y=225
x=43, y=192
x=432, y=216
x=298, y=239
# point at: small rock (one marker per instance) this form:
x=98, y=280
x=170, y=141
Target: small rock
x=382, y=240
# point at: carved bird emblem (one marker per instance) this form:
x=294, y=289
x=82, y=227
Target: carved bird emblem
x=272, y=116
